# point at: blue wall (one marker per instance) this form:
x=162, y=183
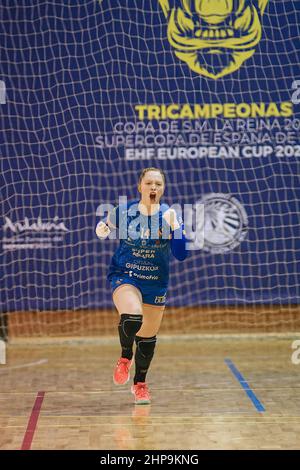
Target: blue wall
x=72, y=71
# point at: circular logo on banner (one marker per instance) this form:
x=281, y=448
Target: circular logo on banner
x=225, y=223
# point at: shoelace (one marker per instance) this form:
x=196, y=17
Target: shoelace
x=142, y=390
x=122, y=362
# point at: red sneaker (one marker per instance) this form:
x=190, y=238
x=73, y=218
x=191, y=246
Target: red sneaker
x=121, y=372
x=141, y=393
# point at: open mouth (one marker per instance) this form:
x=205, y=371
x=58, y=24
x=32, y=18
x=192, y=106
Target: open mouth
x=152, y=197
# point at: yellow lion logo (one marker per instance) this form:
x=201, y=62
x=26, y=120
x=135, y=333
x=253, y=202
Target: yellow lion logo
x=214, y=37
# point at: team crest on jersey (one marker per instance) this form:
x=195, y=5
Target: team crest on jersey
x=225, y=223
x=160, y=299
x=214, y=37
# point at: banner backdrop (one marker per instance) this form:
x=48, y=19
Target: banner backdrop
x=94, y=91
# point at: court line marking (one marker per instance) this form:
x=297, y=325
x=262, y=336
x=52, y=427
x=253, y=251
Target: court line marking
x=32, y=423
x=258, y=405
x=21, y=366
x=175, y=390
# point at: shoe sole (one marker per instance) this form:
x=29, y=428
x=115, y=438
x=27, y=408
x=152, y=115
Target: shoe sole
x=141, y=402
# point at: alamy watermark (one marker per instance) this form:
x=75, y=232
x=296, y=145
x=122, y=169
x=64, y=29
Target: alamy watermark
x=2, y=92
x=296, y=354
x=2, y=352
x=296, y=94
x=192, y=214
x=217, y=223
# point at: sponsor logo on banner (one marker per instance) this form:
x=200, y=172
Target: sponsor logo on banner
x=214, y=38
x=32, y=234
x=225, y=223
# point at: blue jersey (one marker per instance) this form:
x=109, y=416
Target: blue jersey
x=144, y=250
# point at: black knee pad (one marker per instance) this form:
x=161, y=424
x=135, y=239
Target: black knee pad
x=145, y=347
x=130, y=324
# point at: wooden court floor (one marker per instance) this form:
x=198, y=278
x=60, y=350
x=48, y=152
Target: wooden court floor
x=207, y=394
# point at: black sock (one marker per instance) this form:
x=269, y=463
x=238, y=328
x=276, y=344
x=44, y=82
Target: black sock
x=128, y=327
x=143, y=356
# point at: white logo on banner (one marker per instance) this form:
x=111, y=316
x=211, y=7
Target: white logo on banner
x=32, y=235
x=38, y=226
x=225, y=223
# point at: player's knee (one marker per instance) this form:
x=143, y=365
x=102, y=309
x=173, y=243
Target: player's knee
x=130, y=324
x=145, y=347
x=128, y=306
x=147, y=331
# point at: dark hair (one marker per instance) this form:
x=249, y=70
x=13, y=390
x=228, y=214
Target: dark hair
x=152, y=168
